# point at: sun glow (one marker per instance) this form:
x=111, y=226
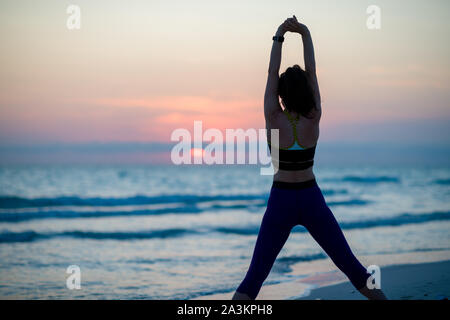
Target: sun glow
x=197, y=152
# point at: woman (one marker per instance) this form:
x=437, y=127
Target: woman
x=295, y=198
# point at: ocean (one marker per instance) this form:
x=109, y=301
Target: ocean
x=183, y=232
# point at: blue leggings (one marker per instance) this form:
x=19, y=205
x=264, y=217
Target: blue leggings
x=291, y=204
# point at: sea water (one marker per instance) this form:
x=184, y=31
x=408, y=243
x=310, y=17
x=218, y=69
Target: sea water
x=182, y=232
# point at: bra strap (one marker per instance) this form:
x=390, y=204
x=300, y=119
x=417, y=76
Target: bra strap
x=293, y=122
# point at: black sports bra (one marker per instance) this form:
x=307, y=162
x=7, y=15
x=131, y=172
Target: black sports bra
x=296, y=157
x=291, y=160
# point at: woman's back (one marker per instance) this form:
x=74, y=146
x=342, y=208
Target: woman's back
x=296, y=132
x=306, y=131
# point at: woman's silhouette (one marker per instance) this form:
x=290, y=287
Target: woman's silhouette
x=295, y=198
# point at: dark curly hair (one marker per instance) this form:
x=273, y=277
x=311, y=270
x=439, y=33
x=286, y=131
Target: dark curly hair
x=296, y=92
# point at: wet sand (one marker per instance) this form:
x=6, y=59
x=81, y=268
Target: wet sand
x=424, y=281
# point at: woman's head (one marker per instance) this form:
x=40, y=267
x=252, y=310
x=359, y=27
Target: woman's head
x=296, y=92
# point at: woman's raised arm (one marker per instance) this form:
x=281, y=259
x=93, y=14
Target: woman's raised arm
x=308, y=51
x=308, y=54
x=271, y=102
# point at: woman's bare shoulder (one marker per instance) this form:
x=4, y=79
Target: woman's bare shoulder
x=275, y=119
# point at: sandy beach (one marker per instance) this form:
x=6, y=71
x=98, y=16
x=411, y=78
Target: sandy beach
x=423, y=281
x=404, y=276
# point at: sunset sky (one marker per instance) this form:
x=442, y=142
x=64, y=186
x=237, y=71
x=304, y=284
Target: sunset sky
x=137, y=70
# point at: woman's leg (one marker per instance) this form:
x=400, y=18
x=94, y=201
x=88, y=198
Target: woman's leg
x=322, y=225
x=275, y=228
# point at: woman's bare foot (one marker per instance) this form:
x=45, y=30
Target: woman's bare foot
x=240, y=296
x=373, y=294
